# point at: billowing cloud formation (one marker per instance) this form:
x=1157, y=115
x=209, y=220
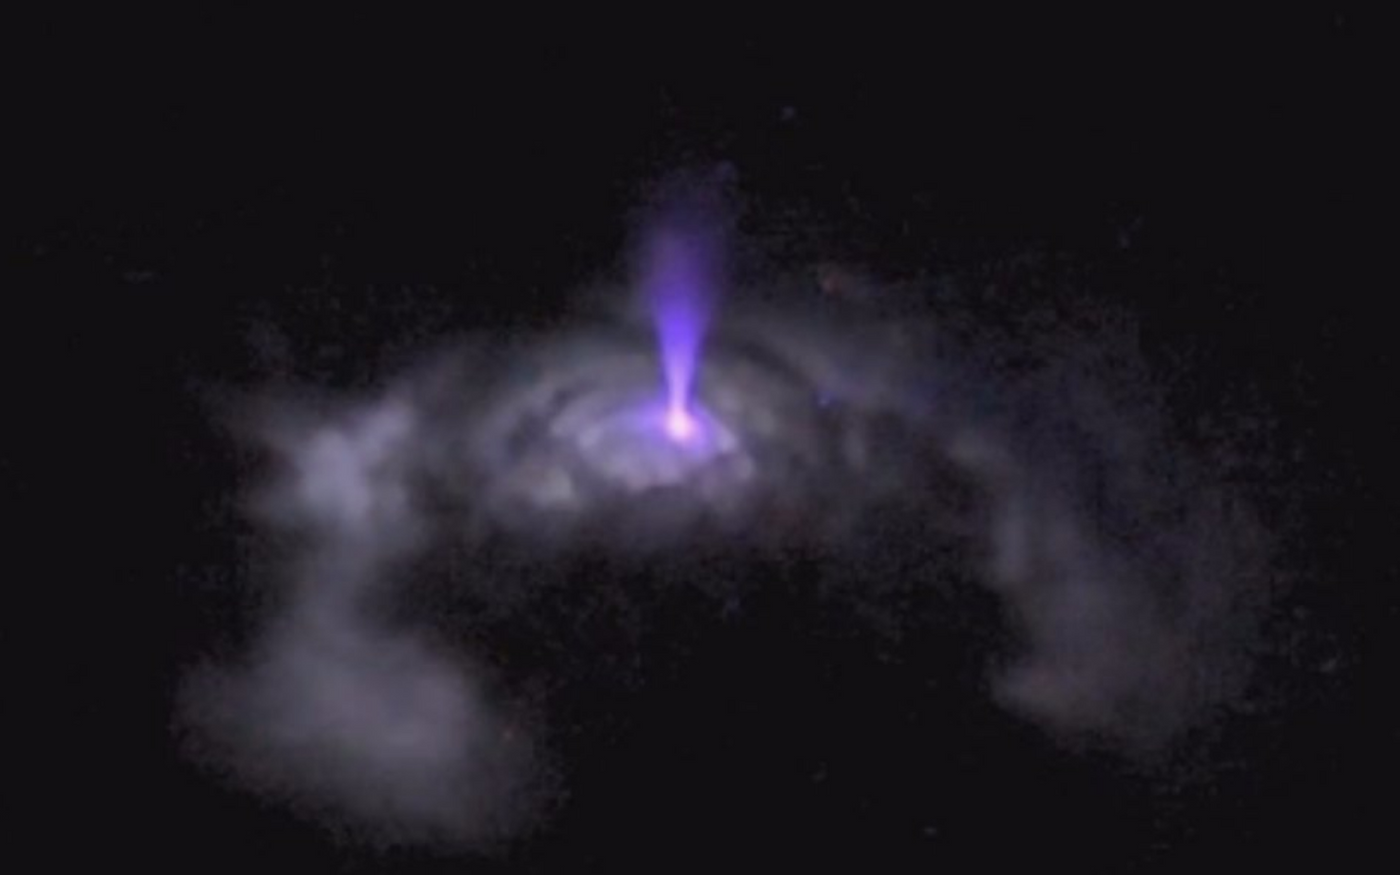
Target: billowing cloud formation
x=1119, y=564
x=336, y=710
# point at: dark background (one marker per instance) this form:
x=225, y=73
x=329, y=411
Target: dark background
x=180, y=188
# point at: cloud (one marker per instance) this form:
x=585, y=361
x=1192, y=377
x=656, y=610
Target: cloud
x=1120, y=563
x=336, y=710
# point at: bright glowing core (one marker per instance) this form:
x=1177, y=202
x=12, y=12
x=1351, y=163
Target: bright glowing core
x=680, y=425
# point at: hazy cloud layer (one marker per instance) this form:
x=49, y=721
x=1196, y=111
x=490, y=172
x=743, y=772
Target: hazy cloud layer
x=1122, y=567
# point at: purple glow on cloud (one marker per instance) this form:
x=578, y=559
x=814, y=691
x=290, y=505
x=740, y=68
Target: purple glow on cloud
x=680, y=425
x=680, y=285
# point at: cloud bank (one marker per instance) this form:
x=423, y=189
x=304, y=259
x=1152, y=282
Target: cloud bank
x=1123, y=569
